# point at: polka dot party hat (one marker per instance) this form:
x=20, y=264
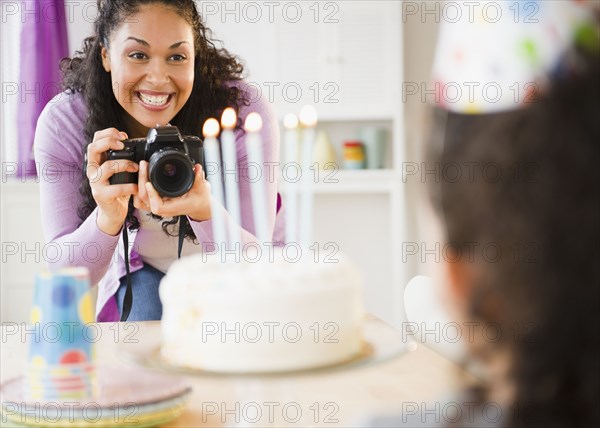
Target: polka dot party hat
x=496, y=56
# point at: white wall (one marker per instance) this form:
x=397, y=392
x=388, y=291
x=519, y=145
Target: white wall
x=80, y=19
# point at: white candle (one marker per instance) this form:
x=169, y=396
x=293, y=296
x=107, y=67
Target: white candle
x=210, y=130
x=232, y=194
x=253, y=125
x=290, y=122
x=308, y=119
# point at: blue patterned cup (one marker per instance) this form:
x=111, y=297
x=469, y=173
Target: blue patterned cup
x=60, y=347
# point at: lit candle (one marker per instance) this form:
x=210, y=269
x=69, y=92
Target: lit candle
x=210, y=130
x=253, y=125
x=232, y=194
x=290, y=122
x=308, y=119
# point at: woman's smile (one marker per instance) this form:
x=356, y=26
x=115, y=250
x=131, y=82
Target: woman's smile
x=155, y=101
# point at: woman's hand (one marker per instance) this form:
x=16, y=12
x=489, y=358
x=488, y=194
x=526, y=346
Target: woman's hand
x=195, y=203
x=140, y=200
x=112, y=200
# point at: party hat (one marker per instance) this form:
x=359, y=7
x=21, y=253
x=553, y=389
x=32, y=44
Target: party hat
x=496, y=56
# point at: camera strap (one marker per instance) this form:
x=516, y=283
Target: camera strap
x=128, y=299
x=182, y=223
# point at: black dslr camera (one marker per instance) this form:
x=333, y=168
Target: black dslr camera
x=171, y=158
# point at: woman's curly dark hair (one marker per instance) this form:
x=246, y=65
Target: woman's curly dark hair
x=543, y=212
x=213, y=67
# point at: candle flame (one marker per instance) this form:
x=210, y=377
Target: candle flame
x=210, y=128
x=290, y=121
x=228, y=118
x=308, y=116
x=253, y=122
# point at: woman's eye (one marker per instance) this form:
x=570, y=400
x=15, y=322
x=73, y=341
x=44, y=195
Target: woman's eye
x=137, y=55
x=178, y=57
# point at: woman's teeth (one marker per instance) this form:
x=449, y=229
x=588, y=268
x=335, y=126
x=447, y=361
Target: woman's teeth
x=158, y=101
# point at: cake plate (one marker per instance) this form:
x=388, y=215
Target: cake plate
x=381, y=343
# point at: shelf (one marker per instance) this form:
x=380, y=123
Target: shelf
x=350, y=116
x=374, y=181
x=361, y=116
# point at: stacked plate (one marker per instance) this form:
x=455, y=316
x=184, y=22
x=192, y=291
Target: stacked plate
x=123, y=396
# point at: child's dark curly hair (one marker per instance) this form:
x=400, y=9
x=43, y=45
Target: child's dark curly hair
x=211, y=94
x=544, y=214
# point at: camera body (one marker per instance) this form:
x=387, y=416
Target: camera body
x=171, y=158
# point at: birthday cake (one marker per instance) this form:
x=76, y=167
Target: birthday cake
x=269, y=316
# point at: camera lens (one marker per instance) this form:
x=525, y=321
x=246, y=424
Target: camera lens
x=171, y=172
x=169, y=169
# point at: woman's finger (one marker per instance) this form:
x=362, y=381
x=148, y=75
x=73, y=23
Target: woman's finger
x=103, y=141
x=200, y=172
x=155, y=201
x=103, y=173
x=200, y=181
x=142, y=180
x=166, y=207
x=110, y=193
x=191, y=201
x=138, y=203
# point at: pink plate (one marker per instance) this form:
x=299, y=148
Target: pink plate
x=117, y=385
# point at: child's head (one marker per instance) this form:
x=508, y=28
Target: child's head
x=526, y=228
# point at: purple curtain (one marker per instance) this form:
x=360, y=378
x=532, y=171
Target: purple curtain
x=43, y=44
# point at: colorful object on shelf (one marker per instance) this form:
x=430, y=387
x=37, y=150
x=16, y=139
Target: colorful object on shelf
x=354, y=155
x=374, y=142
x=323, y=152
x=501, y=55
x=61, y=353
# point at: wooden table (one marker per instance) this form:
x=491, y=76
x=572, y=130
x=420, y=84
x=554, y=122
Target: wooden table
x=338, y=398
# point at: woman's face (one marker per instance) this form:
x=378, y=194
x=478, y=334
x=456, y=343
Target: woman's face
x=151, y=60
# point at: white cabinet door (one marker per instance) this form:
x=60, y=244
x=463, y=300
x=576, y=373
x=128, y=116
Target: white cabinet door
x=367, y=57
x=301, y=51
x=346, y=63
x=342, y=57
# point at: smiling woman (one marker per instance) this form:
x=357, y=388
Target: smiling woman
x=149, y=63
x=152, y=72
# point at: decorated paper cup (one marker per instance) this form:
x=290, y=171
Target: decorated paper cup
x=57, y=388
x=61, y=370
x=61, y=352
x=62, y=306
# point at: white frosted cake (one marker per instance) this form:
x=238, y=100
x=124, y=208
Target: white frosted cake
x=260, y=317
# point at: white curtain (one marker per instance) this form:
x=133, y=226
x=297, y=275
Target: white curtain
x=10, y=59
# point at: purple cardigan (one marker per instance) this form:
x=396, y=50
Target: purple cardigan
x=58, y=147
